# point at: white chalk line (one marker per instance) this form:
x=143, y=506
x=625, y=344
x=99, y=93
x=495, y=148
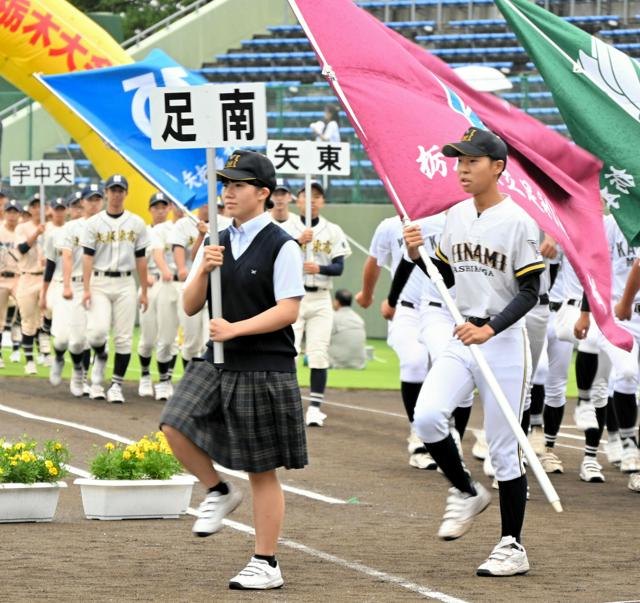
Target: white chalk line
x=118, y=438
x=401, y=416
x=425, y=591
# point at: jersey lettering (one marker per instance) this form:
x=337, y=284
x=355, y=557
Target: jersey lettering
x=468, y=252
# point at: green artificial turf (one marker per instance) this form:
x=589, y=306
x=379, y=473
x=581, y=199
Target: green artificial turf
x=381, y=373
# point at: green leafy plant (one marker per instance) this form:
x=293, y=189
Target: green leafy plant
x=148, y=458
x=24, y=463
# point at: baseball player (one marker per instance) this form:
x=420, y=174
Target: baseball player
x=625, y=298
x=51, y=299
x=8, y=260
x=329, y=250
x=281, y=198
x=402, y=308
x=183, y=237
x=114, y=243
x=489, y=249
x=31, y=264
x=159, y=324
x=90, y=202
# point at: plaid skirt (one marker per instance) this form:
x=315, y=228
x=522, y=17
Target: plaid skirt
x=250, y=421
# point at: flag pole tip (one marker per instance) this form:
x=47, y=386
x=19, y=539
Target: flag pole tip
x=557, y=506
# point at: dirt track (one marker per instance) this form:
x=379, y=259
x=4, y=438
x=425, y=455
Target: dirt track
x=587, y=554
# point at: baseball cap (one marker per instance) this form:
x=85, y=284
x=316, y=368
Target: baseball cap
x=4, y=192
x=248, y=166
x=158, y=197
x=477, y=143
x=314, y=184
x=282, y=185
x=92, y=190
x=34, y=199
x=117, y=180
x=59, y=202
x=74, y=197
x=13, y=205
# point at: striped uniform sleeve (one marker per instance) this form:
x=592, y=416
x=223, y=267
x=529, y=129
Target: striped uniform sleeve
x=441, y=256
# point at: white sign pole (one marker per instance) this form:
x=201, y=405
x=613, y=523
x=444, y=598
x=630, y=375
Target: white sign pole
x=215, y=282
x=42, y=217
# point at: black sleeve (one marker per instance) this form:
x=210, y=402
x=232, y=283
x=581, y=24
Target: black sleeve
x=584, y=305
x=400, y=278
x=49, y=269
x=140, y=253
x=335, y=268
x=443, y=268
x=553, y=273
x=525, y=300
x=88, y=251
x=24, y=247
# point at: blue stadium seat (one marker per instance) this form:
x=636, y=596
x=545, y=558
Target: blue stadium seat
x=612, y=33
x=393, y=24
x=304, y=131
x=303, y=100
x=257, y=70
x=494, y=64
x=478, y=51
x=531, y=95
x=543, y=111
x=72, y=146
x=264, y=56
x=466, y=37
x=417, y=3
x=275, y=42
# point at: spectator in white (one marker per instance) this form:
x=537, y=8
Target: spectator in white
x=327, y=129
x=349, y=336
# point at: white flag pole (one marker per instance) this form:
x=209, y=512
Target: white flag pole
x=487, y=373
x=215, y=283
x=42, y=216
x=308, y=219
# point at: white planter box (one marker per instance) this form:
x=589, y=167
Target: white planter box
x=136, y=499
x=29, y=502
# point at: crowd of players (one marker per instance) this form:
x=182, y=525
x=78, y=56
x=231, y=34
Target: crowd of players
x=65, y=285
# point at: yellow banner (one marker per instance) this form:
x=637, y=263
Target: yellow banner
x=53, y=37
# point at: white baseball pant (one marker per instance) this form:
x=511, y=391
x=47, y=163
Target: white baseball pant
x=315, y=321
x=403, y=337
x=453, y=378
x=113, y=305
x=195, y=330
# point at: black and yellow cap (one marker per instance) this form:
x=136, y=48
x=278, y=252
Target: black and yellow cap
x=250, y=166
x=477, y=142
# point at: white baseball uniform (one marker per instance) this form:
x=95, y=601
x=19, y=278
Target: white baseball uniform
x=159, y=324
x=61, y=309
x=9, y=270
x=315, y=318
x=31, y=266
x=388, y=248
x=73, y=232
x=487, y=253
x=115, y=242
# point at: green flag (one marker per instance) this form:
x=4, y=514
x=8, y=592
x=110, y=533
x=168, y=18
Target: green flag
x=597, y=90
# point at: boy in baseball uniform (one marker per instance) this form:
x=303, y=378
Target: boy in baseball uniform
x=114, y=243
x=8, y=259
x=489, y=250
x=328, y=249
x=245, y=414
x=31, y=263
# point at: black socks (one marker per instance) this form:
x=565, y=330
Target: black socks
x=513, y=500
x=409, y=392
x=221, y=487
x=270, y=559
x=445, y=454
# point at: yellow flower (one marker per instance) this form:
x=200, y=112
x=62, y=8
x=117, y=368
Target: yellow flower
x=126, y=455
x=26, y=457
x=18, y=446
x=13, y=463
x=140, y=456
x=109, y=446
x=48, y=464
x=1, y=471
x=53, y=471
x=57, y=446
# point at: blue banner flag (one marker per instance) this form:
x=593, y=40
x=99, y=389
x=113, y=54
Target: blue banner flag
x=115, y=102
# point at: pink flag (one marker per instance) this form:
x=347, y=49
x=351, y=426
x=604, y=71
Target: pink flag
x=405, y=104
